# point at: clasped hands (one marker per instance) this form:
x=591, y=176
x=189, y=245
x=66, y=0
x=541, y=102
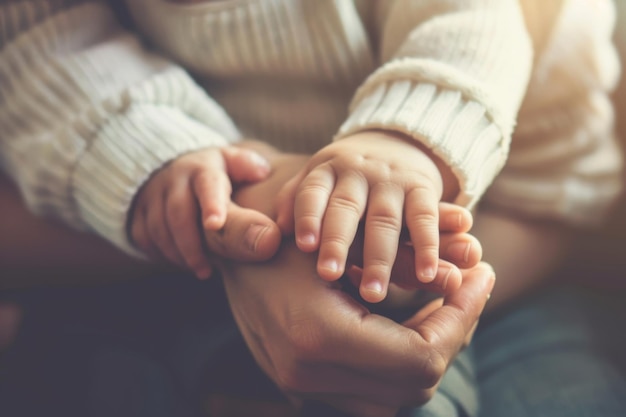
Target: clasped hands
x=317, y=342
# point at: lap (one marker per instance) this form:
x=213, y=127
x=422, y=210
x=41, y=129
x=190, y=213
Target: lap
x=150, y=347
x=555, y=354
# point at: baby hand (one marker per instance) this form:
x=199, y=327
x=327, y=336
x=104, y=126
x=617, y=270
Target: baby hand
x=457, y=250
x=381, y=177
x=187, y=197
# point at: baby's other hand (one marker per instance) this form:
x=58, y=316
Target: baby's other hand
x=191, y=196
x=382, y=177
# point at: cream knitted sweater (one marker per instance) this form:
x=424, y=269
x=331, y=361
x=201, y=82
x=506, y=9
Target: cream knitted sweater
x=90, y=109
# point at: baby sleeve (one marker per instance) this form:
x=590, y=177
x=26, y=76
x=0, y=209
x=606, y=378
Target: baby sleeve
x=87, y=113
x=453, y=77
x=565, y=162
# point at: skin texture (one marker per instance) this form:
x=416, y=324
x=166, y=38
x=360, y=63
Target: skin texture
x=385, y=179
x=164, y=220
x=316, y=342
x=301, y=328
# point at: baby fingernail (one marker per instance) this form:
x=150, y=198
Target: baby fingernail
x=330, y=265
x=428, y=275
x=307, y=239
x=259, y=161
x=212, y=221
x=373, y=287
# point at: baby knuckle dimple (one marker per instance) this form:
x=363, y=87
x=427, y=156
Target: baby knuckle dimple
x=385, y=219
x=422, y=217
x=345, y=203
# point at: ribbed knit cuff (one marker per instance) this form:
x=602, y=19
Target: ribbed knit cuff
x=456, y=129
x=129, y=148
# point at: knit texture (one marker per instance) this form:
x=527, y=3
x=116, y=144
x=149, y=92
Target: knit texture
x=89, y=110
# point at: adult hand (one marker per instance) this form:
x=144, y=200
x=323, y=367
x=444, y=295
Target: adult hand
x=316, y=342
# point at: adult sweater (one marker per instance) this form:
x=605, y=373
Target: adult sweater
x=90, y=108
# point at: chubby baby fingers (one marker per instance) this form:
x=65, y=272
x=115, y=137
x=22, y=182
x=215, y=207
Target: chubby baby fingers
x=183, y=220
x=139, y=234
x=212, y=189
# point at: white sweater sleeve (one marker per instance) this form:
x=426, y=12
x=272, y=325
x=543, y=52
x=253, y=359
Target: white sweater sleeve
x=454, y=77
x=87, y=114
x=565, y=162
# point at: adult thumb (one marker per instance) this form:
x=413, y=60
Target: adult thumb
x=247, y=236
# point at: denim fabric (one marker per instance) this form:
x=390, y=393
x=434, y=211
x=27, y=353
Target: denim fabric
x=557, y=354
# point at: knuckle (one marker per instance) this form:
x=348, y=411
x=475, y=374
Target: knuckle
x=423, y=217
x=345, y=203
x=433, y=370
x=313, y=185
x=386, y=220
x=432, y=365
x=334, y=243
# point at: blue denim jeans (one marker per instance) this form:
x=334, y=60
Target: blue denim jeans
x=157, y=347
x=559, y=353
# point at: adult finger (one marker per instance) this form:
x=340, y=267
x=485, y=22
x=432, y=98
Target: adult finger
x=183, y=219
x=416, y=353
x=461, y=249
x=247, y=235
x=447, y=327
x=454, y=218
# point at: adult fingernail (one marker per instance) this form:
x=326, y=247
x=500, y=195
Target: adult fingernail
x=253, y=235
x=459, y=251
x=259, y=161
